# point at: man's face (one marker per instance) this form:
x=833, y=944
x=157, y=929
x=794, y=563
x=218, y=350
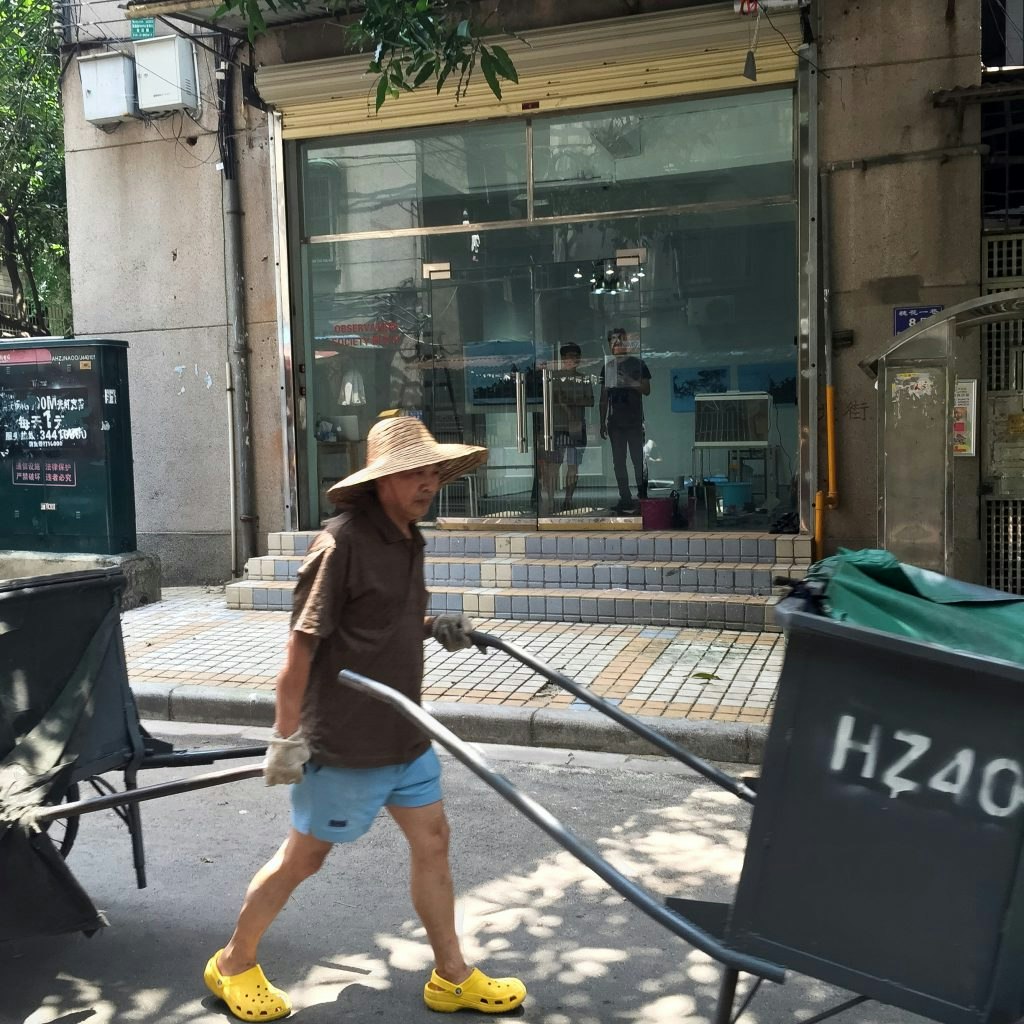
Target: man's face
x=571, y=360
x=407, y=496
x=620, y=347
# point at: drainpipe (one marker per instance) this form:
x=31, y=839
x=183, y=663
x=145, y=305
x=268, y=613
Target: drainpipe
x=244, y=495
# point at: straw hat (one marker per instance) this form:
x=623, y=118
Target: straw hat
x=401, y=443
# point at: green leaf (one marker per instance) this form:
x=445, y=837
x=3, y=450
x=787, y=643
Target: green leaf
x=442, y=77
x=382, y=92
x=424, y=73
x=504, y=64
x=488, y=67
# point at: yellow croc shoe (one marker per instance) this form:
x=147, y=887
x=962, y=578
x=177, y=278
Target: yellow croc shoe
x=477, y=992
x=249, y=996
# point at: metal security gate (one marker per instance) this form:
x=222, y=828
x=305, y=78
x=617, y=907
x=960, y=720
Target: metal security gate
x=1004, y=544
x=1001, y=423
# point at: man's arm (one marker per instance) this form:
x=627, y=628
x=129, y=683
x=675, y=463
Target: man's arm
x=604, y=410
x=645, y=379
x=292, y=681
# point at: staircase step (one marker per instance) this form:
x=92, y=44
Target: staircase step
x=551, y=574
x=629, y=607
x=651, y=545
x=694, y=577
x=294, y=543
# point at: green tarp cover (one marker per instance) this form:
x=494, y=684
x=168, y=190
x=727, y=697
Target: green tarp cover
x=874, y=589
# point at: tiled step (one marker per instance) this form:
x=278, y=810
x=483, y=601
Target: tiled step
x=658, y=546
x=693, y=577
x=552, y=574
x=296, y=543
x=656, y=608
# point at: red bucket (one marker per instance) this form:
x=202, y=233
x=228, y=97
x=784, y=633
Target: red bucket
x=656, y=513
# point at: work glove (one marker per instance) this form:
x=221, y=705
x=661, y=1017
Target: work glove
x=285, y=758
x=452, y=631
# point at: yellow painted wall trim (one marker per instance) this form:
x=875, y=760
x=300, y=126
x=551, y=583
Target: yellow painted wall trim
x=607, y=63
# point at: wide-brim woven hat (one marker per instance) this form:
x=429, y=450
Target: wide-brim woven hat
x=401, y=443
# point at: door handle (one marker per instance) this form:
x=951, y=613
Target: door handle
x=548, y=412
x=522, y=441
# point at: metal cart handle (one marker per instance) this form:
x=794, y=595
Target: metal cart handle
x=144, y=793
x=709, y=771
x=542, y=817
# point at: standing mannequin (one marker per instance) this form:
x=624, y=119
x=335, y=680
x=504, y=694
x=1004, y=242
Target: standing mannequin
x=625, y=380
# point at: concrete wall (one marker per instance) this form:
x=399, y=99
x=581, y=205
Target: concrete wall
x=147, y=265
x=905, y=218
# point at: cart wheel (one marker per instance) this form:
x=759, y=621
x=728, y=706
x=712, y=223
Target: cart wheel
x=62, y=831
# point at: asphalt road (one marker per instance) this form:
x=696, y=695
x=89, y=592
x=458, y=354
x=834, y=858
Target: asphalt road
x=348, y=947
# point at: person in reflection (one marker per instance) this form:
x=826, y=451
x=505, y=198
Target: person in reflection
x=360, y=603
x=571, y=395
x=625, y=380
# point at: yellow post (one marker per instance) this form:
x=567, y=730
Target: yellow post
x=819, y=525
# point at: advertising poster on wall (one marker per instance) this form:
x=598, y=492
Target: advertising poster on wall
x=965, y=395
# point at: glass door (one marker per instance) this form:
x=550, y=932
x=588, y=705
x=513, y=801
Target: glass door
x=596, y=384
x=543, y=365
x=482, y=385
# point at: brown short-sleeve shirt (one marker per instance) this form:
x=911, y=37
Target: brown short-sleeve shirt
x=361, y=592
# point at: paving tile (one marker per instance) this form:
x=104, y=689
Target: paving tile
x=193, y=636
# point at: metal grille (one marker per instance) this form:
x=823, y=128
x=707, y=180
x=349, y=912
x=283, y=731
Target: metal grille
x=1004, y=356
x=1004, y=543
x=1004, y=342
x=1004, y=257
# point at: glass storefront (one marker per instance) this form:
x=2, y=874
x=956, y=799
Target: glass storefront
x=620, y=324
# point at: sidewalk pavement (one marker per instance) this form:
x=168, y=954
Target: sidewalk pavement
x=191, y=658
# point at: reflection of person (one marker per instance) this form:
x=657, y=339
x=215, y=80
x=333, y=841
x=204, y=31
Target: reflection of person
x=625, y=379
x=352, y=390
x=571, y=395
x=650, y=447
x=360, y=604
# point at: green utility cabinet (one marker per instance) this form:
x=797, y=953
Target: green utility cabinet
x=66, y=478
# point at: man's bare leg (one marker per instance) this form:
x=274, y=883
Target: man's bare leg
x=430, y=877
x=299, y=857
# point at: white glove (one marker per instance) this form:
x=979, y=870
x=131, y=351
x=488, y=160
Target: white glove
x=285, y=758
x=452, y=631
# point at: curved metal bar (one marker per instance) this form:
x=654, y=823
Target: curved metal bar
x=137, y=796
x=199, y=755
x=709, y=771
x=565, y=837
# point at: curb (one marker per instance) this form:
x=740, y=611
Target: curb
x=475, y=723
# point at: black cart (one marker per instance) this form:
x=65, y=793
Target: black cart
x=67, y=721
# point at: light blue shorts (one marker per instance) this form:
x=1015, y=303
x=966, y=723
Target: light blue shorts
x=339, y=805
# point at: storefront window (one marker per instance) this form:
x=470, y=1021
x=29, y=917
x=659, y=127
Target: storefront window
x=425, y=179
x=706, y=301
x=707, y=150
